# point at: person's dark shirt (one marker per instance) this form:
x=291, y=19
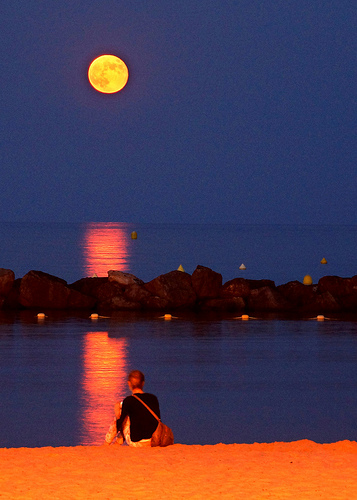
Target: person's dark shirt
x=142, y=422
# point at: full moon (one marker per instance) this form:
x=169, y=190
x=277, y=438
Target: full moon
x=108, y=74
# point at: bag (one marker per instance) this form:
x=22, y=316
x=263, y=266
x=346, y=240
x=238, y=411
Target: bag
x=163, y=435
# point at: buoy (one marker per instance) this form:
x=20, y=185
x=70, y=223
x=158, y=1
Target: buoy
x=242, y=267
x=323, y=261
x=41, y=316
x=307, y=280
x=95, y=275
x=134, y=235
x=320, y=317
x=94, y=316
x=245, y=317
x=180, y=268
x=167, y=317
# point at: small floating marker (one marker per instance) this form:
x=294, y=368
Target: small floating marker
x=245, y=317
x=168, y=317
x=307, y=280
x=180, y=268
x=41, y=316
x=320, y=317
x=94, y=316
x=134, y=235
x=323, y=261
x=242, y=267
x=95, y=275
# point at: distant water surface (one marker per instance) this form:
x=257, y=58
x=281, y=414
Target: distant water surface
x=278, y=252
x=218, y=379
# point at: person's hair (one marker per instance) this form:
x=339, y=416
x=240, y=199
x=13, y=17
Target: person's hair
x=137, y=379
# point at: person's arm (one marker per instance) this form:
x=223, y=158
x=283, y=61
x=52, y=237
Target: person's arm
x=124, y=414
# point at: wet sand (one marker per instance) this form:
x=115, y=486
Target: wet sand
x=297, y=470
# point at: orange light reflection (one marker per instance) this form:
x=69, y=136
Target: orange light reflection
x=105, y=247
x=103, y=383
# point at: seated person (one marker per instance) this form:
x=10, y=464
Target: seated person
x=133, y=421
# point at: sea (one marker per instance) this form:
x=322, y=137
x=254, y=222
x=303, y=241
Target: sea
x=218, y=378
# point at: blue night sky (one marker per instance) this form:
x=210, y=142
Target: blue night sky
x=239, y=111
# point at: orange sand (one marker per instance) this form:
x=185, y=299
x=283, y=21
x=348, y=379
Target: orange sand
x=298, y=470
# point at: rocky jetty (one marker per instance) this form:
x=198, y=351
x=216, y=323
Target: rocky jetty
x=204, y=290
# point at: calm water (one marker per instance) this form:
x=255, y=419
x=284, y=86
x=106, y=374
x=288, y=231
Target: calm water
x=218, y=379
x=280, y=253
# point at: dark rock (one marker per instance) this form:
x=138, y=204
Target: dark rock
x=77, y=300
x=120, y=302
x=156, y=303
x=175, y=287
x=233, y=304
x=254, y=284
x=338, y=287
x=297, y=293
x=206, y=283
x=267, y=299
x=321, y=303
x=89, y=286
x=344, y=290
x=111, y=296
x=38, y=289
x=12, y=300
x=124, y=279
x=238, y=287
x=7, y=278
x=107, y=294
x=139, y=294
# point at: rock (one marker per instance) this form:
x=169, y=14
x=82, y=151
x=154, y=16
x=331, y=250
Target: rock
x=238, y=287
x=175, y=287
x=233, y=304
x=107, y=292
x=111, y=296
x=12, y=300
x=124, y=278
x=7, y=278
x=88, y=286
x=155, y=303
x=120, y=302
x=139, y=294
x=344, y=290
x=297, y=293
x=308, y=298
x=253, y=284
x=38, y=289
x=205, y=282
x=321, y=303
x=267, y=299
x=338, y=287
x=77, y=300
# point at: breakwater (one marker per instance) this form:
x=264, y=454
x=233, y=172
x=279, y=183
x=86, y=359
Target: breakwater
x=203, y=290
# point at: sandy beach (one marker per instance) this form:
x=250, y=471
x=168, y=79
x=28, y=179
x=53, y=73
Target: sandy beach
x=297, y=470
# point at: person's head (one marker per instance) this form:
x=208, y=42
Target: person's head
x=136, y=379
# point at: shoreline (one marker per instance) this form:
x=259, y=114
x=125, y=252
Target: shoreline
x=299, y=469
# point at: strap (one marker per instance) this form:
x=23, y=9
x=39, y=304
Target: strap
x=150, y=410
